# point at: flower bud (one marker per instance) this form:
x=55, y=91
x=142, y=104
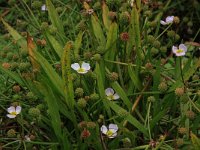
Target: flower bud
x=162, y=87
x=113, y=76
x=190, y=114
x=163, y=49
x=11, y=133
x=44, y=25
x=156, y=44
x=30, y=96
x=179, y=142
x=182, y=130
x=190, y=24
x=151, y=99
x=16, y=88
x=154, y=51
x=6, y=65
x=82, y=102
x=148, y=66
x=94, y=97
x=34, y=112
x=79, y=92
x=124, y=17
x=112, y=15
x=177, y=37
x=179, y=92
x=96, y=57
x=52, y=29
x=176, y=20
x=171, y=33
x=150, y=39
x=124, y=36
x=37, y=4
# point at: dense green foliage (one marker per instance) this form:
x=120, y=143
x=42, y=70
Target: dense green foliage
x=155, y=102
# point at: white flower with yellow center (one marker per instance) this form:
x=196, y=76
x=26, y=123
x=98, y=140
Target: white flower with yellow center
x=179, y=51
x=111, y=95
x=111, y=131
x=84, y=68
x=13, y=111
x=168, y=20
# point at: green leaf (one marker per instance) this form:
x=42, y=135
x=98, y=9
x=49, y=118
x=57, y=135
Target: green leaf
x=77, y=43
x=12, y=75
x=101, y=88
x=129, y=118
x=98, y=32
x=195, y=141
x=55, y=44
x=122, y=94
x=17, y=37
x=105, y=12
x=134, y=78
x=54, y=17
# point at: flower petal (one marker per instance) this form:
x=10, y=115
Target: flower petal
x=113, y=136
x=174, y=49
x=180, y=54
x=11, y=116
x=104, y=129
x=115, y=96
x=183, y=47
x=169, y=19
x=113, y=127
x=75, y=66
x=43, y=8
x=109, y=91
x=18, y=109
x=163, y=22
x=85, y=66
x=11, y=109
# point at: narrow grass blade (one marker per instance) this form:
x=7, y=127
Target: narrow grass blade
x=105, y=11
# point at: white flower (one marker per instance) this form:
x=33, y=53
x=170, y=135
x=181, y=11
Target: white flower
x=179, y=51
x=27, y=138
x=168, y=20
x=131, y=2
x=13, y=111
x=111, y=95
x=111, y=131
x=85, y=67
x=43, y=7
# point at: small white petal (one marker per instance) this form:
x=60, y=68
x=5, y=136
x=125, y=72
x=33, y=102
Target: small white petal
x=180, y=54
x=113, y=136
x=113, y=127
x=18, y=109
x=163, y=22
x=109, y=91
x=11, y=109
x=44, y=8
x=85, y=66
x=183, y=47
x=104, y=129
x=169, y=19
x=115, y=96
x=11, y=116
x=75, y=66
x=174, y=49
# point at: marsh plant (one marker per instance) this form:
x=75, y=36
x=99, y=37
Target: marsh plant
x=110, y=74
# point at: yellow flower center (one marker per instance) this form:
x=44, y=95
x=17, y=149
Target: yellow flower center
x=111, y=97
x=179, y=51
x=13, y=113
x=109, y=133
x=81, y=70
